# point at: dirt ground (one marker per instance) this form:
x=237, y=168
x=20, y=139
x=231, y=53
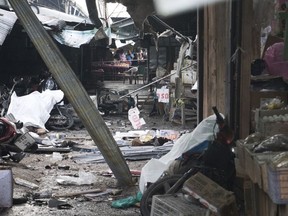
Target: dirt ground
x=43, y=170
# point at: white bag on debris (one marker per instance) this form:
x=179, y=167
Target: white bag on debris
x=85, y=178
x=155, y=167
x=34, y=108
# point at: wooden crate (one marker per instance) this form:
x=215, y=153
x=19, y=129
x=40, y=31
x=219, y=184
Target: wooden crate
x=257, y=98
x=264, y=174
x=278, y=184
x=260, y=162
x=270, y=128
x=249, y=164
x=240, y=171
x=254, y=163
x=240, y=152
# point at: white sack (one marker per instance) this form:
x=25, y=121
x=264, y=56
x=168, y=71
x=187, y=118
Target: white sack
x=34, y=109
x=155, y=167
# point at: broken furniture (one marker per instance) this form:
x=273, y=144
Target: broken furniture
x=130, y=74
x=141, y=74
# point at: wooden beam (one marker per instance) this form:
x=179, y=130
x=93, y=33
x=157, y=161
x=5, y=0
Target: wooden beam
x=215, y=58
x=74, y=91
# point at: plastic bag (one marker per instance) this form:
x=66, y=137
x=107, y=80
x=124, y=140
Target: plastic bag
x=127, y=202
x=278, y=142
x=255, y=137
x=274, y=57
x=85, y=178
x=155, y=167
x=280, y=160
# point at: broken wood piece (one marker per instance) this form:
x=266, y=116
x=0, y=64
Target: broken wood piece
x=108, y=191
x=78, y=138
x=78, y=193
x=41, y=131
x=135, y=172
x=25, y=183
x=13, y=164
x=52, y=149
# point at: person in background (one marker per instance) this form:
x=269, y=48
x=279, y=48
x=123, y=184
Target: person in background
x=122, y=55
x=129, y=56
x=144, y=54
x=135, y=60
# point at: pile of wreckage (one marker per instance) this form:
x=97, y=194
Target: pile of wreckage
x=160, y=147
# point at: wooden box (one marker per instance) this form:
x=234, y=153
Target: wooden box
x=270, y=128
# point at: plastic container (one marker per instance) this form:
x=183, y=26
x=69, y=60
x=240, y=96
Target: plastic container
x=278, y=184
x=171, y=205
x=6, y=187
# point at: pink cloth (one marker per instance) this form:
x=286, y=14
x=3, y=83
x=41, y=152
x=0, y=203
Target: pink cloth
x=274, y=57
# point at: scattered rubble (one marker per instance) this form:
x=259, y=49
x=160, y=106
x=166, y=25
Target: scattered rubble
x=64, y=159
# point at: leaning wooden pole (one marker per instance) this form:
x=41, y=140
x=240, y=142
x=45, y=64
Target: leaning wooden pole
x=74, y=91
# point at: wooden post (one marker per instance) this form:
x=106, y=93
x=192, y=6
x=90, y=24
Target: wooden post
x=284, y=15
x=74, y=91
x=246, y=59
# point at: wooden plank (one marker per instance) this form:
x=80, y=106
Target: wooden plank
x=215, y=57
x=77, y=193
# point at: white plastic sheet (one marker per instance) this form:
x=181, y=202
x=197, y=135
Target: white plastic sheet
x=34, y=109
x=171, y=7
x=155, y=167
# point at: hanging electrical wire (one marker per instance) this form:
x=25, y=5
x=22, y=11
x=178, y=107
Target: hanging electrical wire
x=113, y=10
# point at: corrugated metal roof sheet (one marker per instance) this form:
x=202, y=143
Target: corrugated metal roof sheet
x=61, y=26
x=45, y=14
x=7, y=21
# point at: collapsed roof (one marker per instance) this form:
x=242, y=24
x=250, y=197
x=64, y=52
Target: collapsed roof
x=69, y=30
x=138, y=10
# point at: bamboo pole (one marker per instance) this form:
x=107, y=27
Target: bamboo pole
x=149, y=84
x=74, y=91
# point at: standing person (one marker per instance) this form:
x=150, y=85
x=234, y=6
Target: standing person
x=144, y=54
x=122, y=55
x=129, y=57
x=135, y=60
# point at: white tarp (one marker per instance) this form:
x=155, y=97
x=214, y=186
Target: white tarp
x=34, y=109
x=155, y=167
x=73, y=38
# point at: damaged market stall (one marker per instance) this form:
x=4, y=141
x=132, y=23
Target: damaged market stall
x=79, y=99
